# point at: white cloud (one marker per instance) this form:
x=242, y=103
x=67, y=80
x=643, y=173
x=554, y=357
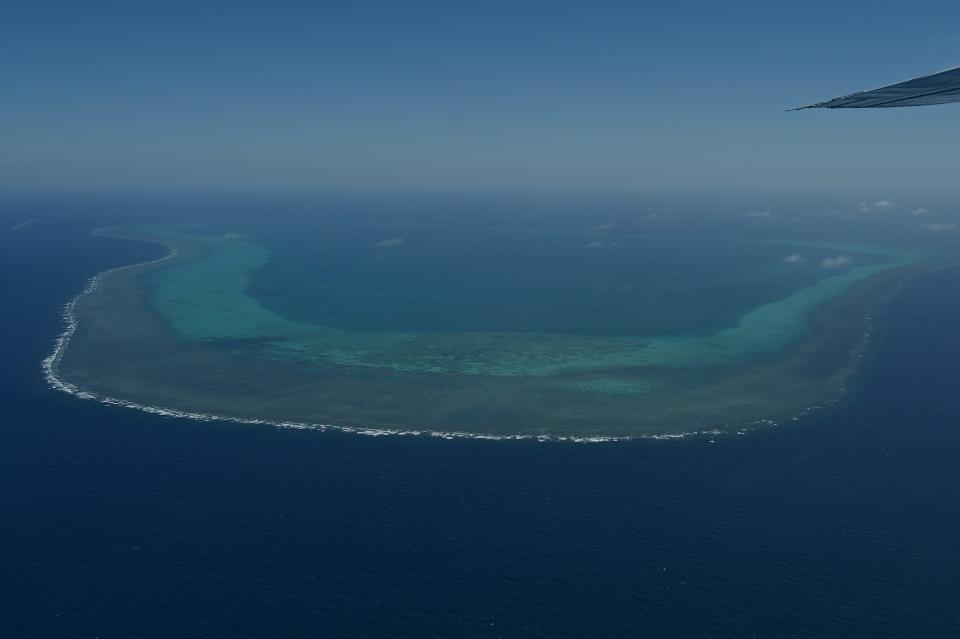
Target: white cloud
x=940, y=226
x=231, y=235
x=918, y=212
x=600, y=244
x=796, y=258
x=761, y=215
x=603, y=227
x=837, y=262
x=879, y=205
x=23, y=225
x=393, y=241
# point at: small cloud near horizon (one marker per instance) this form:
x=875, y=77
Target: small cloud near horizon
x=879, y=205
x=918, y=212
x=839, y=261
x=761, y=215
x=23, y=225
x=393, y=241
x=940, y=226
x=796, y=258
x=603, y=227
x=600, y=244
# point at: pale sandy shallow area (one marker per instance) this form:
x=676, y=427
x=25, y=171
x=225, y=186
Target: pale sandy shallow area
x=193, y=344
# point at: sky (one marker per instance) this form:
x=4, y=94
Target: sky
x=598, y=96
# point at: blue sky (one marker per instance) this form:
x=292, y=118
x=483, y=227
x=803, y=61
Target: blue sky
x=447, y=95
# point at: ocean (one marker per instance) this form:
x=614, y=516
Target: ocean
x=118, y=523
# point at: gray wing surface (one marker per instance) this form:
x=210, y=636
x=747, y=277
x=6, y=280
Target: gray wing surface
x=936, y=88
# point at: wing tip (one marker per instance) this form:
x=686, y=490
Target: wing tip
x=862, y=99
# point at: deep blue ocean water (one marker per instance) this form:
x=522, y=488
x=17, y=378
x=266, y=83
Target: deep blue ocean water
x=115, y=523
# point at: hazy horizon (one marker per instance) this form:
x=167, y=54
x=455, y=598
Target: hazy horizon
x=433, y=96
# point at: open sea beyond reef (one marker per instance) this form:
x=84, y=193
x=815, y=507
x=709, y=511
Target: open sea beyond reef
x=120, y=523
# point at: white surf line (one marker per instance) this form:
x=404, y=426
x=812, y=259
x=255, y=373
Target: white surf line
x=69, y=317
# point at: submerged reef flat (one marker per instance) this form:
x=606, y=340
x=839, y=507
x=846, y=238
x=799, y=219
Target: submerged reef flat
x=488, y=333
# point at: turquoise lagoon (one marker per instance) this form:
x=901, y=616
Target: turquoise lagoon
x=480, y=331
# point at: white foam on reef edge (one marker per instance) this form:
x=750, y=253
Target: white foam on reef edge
x=51, y=363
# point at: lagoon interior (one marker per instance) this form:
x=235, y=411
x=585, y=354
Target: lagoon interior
x=483, y=329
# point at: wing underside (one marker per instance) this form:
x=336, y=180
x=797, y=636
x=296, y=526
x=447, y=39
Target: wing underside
x=936, y=88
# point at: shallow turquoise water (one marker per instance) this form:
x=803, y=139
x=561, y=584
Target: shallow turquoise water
x=522, y=303
x=441, y=278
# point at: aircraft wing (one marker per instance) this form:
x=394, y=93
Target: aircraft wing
x=936, y=88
